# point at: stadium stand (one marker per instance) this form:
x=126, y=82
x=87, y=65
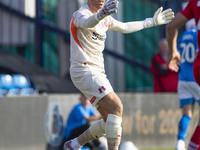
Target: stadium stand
x=43, y=81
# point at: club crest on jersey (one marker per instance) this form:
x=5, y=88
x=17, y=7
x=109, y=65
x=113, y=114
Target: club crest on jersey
x=104, y=24
x=101, y=89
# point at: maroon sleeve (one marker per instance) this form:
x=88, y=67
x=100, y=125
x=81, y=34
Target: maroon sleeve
x=188, y=12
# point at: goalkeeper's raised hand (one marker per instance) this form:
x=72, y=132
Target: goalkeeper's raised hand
x=164, y=17
x=110, y=7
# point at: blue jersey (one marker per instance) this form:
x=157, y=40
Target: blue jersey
x=76, y=118
x=188, y=47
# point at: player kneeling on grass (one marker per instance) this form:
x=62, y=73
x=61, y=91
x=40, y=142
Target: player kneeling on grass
x=88, y=33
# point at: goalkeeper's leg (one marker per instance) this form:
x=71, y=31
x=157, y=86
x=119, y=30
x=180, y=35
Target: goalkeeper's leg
x=96, y=130
x=111, y=109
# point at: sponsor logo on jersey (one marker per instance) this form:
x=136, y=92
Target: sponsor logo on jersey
x=96, y=36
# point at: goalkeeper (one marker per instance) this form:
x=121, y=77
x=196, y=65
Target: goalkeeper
x=88, y=33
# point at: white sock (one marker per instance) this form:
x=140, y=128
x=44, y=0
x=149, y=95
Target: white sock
x=75, y=144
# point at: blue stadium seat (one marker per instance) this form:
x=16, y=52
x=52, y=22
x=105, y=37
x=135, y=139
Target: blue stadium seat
x=23, y=83
x=28, y=92
x=13, y=92
x=5, y=81
x=5, y=84
x=3, y=92
x=15, y=85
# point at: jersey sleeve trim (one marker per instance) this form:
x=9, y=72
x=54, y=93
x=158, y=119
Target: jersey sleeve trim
x=74, y=30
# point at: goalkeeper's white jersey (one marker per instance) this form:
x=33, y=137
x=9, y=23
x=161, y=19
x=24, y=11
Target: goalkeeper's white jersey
x=87, y=44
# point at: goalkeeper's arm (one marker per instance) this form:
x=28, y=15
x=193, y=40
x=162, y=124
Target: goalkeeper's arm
x=84, y=21
x=159, y=18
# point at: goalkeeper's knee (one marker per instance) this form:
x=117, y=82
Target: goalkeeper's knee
x=113, y=127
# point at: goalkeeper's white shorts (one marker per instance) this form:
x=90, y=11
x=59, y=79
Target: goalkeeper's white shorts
x=91, y=82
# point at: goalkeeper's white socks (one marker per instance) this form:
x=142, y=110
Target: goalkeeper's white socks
x=75, y=144
x=113, y=131
x=95, y=131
